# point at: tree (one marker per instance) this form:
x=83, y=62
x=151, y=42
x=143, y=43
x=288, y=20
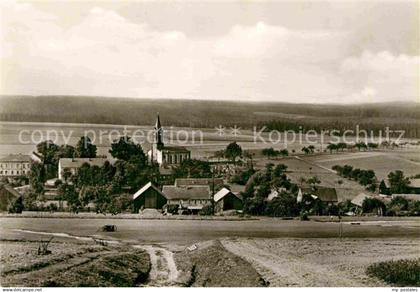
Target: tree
x=48, y=151
x=233, y=150
x=383, y=188
x=284, y=152
x=66, y=151
x=372, y=204
x=331, y=147
x=17, y=206
x=125, y=149
x=311, y=148
x=313, y=181
x=85, y=148
x=269, y=152
x=68, y=193
x=398, y=183
x=193, y=168
x=361, y=145
x=249, y=155
x=284, y=205
x=306, y=150
x=37, y=177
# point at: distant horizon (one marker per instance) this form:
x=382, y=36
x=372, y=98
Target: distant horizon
x=216, y=100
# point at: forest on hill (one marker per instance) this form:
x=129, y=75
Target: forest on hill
x=208, y=114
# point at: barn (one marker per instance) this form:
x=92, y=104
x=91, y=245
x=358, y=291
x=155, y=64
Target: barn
x=227, y=200
x=8, y=196
x=148, y=197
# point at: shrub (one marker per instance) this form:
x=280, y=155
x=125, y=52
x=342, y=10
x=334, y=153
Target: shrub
x=400, y=273
x=16, y=206
x=207, y=210
x=304, y=216
x=172, y=208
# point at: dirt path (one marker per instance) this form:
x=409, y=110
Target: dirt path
x=164, y=271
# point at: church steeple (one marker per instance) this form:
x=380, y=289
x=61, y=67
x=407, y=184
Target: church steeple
x=158, y=134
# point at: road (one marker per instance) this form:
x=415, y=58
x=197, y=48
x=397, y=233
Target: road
x=186, y=231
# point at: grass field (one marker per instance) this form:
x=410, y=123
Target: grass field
x=381, y=162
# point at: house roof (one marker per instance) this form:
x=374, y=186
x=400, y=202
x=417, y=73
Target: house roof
x=325, y=194
x=186, y=193
x=182, y=182
x=414, y=197
x=16, y=158
x=10, y=190
x=223, y=193
x=358, y=200
x=78, y=162
x=145, y=188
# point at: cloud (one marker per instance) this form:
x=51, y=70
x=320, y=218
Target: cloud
x=107, y=54
x=394, y=77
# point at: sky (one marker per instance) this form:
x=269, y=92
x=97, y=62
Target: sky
x=279, y=51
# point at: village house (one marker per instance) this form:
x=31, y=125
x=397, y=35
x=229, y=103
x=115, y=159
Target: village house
x=413, y=187
x=163, y=155
x=73, y=164
x=149, y=197
x=15, y=165
x=192, y=198
x=227, y=200
x=325, y=194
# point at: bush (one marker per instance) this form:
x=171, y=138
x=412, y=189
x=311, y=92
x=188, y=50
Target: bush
x=399, y=273
x=172, y=208
x=284, y=205
x=370, y=205
x=16, y=206
x=304, y=216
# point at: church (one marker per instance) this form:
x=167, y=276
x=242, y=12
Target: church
x=166, y=155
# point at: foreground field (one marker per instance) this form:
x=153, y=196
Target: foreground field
x=72, y=265
x=320, y=262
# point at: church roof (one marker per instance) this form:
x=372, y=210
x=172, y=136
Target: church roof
x=158, y=125
x=175, y=149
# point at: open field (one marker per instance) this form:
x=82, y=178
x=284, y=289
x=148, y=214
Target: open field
x=381, y=162
x=303, y=167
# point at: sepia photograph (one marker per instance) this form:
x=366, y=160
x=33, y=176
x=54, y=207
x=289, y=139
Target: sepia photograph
x=210, y=143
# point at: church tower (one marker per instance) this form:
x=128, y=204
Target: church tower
x=158, y=134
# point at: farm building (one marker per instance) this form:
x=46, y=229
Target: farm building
x=149, y=197
x=8, y=195
x=73, y=164
x=226, y=200
x=193, y=198
x=414, y=186
x=325, y=194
